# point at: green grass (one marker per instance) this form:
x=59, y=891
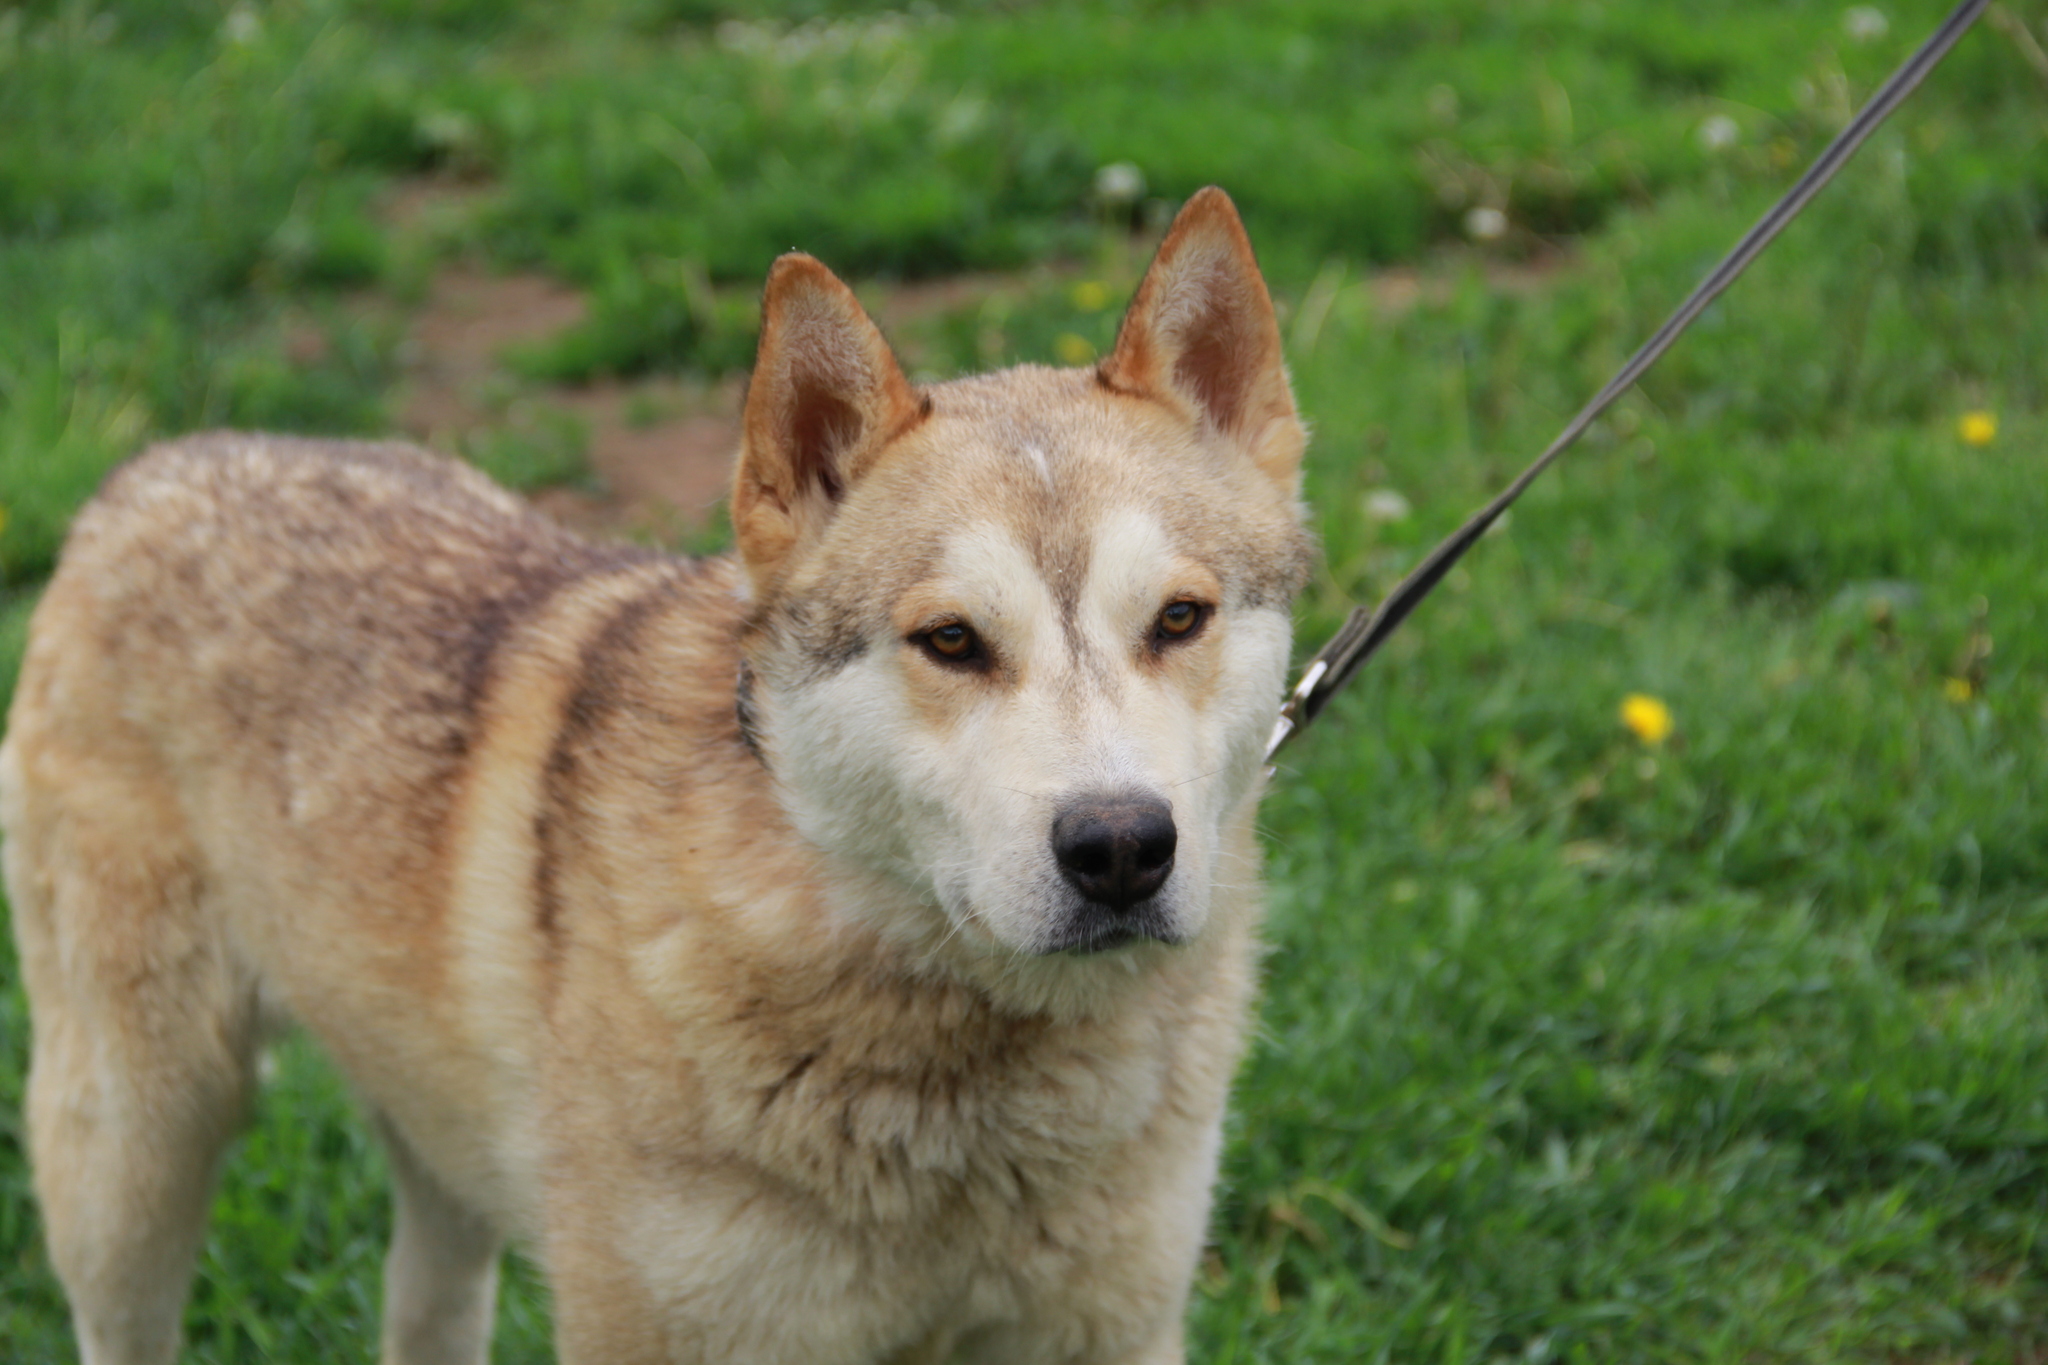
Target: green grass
x=1732, y=1050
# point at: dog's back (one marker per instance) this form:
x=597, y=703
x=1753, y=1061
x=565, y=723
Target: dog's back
x=290, y=607
x=257, y=690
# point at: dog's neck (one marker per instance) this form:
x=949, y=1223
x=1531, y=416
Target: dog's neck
x=743, y=711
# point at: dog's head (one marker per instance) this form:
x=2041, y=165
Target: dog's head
x=1018, y=640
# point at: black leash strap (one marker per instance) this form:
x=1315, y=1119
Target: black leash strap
x=1366, y=631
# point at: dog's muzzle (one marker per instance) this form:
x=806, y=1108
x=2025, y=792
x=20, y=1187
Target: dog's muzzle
x=1117, y=851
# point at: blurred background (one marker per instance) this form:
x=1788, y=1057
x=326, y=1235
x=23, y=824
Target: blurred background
x=1659, y=925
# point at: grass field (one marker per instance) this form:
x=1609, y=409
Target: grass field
x=1732, y=1047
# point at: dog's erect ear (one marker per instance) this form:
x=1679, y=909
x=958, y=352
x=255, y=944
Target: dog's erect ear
x=1201, y=335
x=826, y=395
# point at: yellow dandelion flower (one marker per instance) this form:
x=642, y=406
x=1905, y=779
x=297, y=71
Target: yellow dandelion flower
x=1958, y=690
x=1073, y=349
x=1978, y=428
x=1648, y=719
x=1091, y=296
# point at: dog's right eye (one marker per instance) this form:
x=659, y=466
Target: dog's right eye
x=952, y=643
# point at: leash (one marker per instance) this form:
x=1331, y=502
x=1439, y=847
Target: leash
x=1365, y=631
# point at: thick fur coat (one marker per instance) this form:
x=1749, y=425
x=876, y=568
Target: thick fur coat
x=838, y=952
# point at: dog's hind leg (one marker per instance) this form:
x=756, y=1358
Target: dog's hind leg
x=144, y=1040
x=441, y=1273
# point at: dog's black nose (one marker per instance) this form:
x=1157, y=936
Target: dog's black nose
x=1115, y=850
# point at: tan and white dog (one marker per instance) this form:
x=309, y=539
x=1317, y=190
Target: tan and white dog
x=839, y=952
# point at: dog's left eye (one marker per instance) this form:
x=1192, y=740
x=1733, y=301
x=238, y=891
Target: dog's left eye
x=952, y=643
x=1179, y=620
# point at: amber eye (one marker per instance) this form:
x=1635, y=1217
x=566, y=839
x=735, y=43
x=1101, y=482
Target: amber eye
x=1179, y=619
x=952, y=643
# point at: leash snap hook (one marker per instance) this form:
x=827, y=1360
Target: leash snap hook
x=1285, y=725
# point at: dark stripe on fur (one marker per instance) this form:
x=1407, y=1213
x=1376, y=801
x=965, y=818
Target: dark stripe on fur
x=743, y=712
x=601, y=681
x=790, y=1077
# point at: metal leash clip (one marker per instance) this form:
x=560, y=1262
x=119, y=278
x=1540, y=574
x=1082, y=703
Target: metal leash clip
x=1289, y=709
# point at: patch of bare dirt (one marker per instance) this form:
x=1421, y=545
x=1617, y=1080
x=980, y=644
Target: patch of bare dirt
x=451, y=352
x=913, y=302
x=663, y=475
x=433, y=203
x=1396, y=289
x=661, y=449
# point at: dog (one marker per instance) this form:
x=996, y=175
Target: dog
x=839, y=951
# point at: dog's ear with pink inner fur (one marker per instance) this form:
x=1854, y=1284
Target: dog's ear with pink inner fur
x=825, y=396
x=1201, y=336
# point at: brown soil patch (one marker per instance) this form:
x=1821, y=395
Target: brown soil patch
x=451, y=349
x=1396, y=289
x=896, y=307
x=661, y=449
x=432, y=204
x=665, y=476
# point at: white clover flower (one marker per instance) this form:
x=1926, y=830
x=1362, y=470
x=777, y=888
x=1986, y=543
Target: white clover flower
x=447, y=130
x=740, y=35
x=1484, y=224
x=1120, y=182
x=1719, y=132
x=1384, y=504
x=1865, y=23
x=243, y=25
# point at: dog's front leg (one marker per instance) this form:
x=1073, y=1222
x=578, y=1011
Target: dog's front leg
x=441, y=1273
x=1167, y=1347
x=603, y=1312
x=1159, y=1342
x=681, y=1267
